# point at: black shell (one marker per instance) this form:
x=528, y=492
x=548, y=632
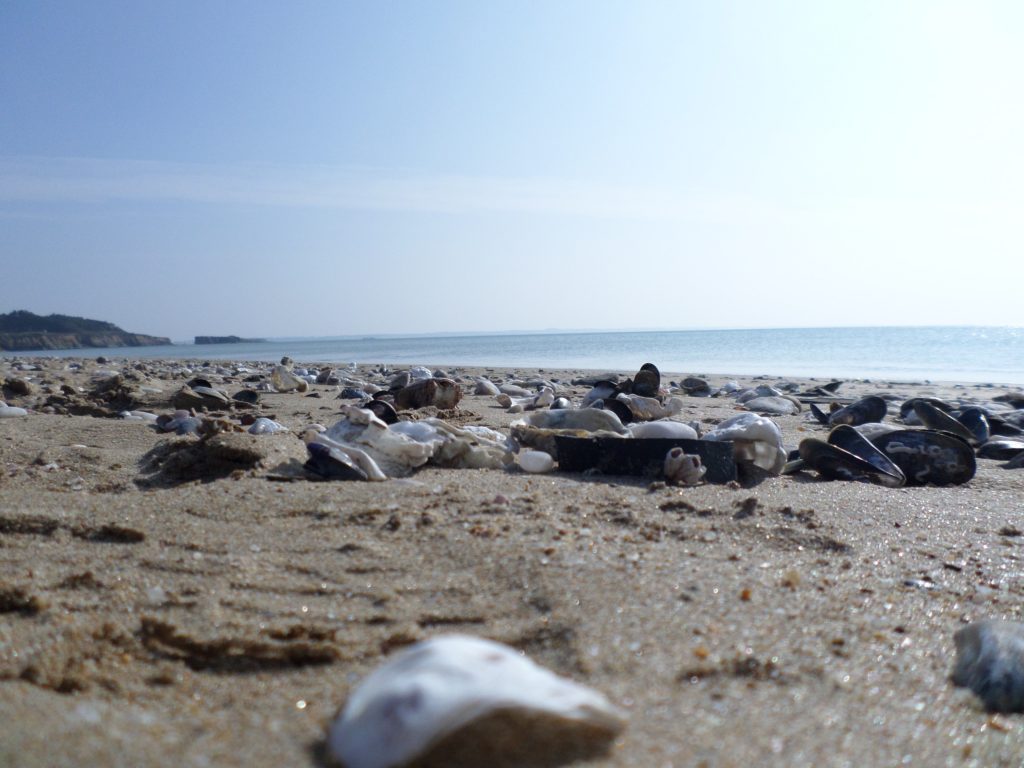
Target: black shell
x=647, y=381
x=976, y=421
x=620, y=409
x=833, y=462
x=867, y=410
x=849, y=439
x=331, y=464
x=927, y=456
x=937, y=419
x=383, y=410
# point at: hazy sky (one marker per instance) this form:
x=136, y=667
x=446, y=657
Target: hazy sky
x=299, y=168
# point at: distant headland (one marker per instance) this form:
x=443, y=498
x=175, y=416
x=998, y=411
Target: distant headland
x=227, y=340
x=21, y=330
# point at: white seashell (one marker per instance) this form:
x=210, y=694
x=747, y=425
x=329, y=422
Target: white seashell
x=683, y=468
x=265, y=426
x=456, y=447
x=778, y=405
x=670, y=429
x=392, y=452
x=8, y=412
x=990, y=661
x=756, y=439
x=138, y=416
x=536, y=462
x=417, y=373
x=485, y=386
x=438, y=687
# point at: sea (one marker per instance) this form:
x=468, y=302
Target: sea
x=992, y=355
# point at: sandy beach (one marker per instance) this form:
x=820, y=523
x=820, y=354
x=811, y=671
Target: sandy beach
x=164, y=613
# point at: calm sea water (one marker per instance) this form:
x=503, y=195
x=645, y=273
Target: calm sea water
x=974, y=354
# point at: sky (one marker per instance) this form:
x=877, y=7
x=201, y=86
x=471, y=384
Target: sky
x=332, y=168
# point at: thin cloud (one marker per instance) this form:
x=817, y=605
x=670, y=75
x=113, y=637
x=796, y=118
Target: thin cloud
x=98, y=181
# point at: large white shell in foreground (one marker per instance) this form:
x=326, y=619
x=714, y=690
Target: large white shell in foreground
x=435, y=688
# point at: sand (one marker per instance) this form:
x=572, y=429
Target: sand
x=157, y=620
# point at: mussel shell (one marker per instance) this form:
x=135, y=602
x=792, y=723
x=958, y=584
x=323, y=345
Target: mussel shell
x=926, y=456
x=976, y=422
x=852, y=441
x=198, y=382
x=997, y=425
x=331, y=463
x=1001, y=449
x=819, y=414
x=647, y=381
x=601, y=390
x=250, y=396
x=866, y=410
x=620, y=409
x=937, y=419
x=383, y=410
x=833, y=462
x=907, y=409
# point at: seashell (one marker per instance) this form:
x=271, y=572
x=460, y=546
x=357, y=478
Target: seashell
x=536, y=462
x=440, y=393
x=647, y=381
x=695, y=387
x=456, y=694
x=909, y=417
x=775, y=405
x=514, y=390
x=648, y=408
x=202, y=397
x=976, y=422
x=9, y=412
x=383, y=410
x=485, y=386
x=616, y=406
x=990, y=661
x=361, y=432
x=138, y=416
x=199, y=382
x=283, y=380
x=756, y=440
x=683, y=468
x=762, y=390
x=1016, y=462
x=937, y=419
x=849, y=456
x=926, y=456
x=265, y=426
x=601, y=390
x=1001, y=449
x=850, y=439
x=873, y=429
x=589, y=419
x=420, y=372
x=560, y=403
x=333, y=462
x=457, y=447
x=728, y=388
x=672, y=429
x=249, y=396
x=866, y=410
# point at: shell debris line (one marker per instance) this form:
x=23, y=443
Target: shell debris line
x=457, y=695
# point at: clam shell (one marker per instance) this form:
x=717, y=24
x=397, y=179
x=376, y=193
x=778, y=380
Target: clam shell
x=672, y=429
x=423, y=698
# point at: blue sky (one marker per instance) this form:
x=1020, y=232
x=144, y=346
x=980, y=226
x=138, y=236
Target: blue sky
x=284, y=169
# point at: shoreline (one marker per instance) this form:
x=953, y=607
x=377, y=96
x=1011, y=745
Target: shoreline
x=162, y=620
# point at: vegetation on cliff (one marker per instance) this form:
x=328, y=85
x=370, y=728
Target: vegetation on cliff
x=23, y=330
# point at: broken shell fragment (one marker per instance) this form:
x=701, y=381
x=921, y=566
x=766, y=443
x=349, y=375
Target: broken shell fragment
x=286, y=381
x=456, y=694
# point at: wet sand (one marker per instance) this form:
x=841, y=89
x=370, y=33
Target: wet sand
x=221, y=618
